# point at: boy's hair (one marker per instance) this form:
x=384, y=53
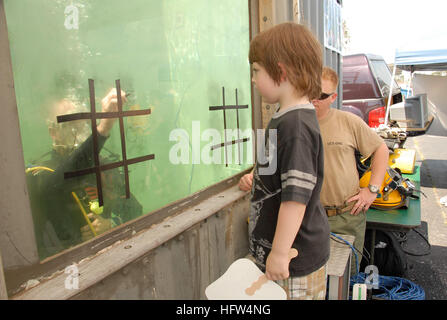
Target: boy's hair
x=297, y=49
x=331, y=75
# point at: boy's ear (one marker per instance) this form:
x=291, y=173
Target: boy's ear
x=283, y=71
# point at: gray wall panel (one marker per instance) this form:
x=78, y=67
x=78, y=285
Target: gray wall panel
x=312, y=15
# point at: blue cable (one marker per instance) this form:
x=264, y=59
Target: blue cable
x=392, y=288
x=352, y=248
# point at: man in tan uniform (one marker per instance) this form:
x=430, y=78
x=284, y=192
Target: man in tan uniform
x=343, y=133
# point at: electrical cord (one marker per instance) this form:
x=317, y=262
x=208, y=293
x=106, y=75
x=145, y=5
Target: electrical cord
x=367, y=258
x=393, y=288
x=352, y=248
x=390, y=288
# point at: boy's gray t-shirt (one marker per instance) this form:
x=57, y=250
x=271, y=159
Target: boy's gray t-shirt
x=298, y=176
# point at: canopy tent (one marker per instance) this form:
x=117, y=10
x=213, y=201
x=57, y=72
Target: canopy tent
x=422, y=60
x=429, y=54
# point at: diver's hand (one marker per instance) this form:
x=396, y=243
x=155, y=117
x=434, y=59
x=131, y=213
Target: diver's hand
x=110, y=104
x=99, y=224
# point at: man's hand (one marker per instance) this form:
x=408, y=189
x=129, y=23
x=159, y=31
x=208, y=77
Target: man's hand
x=100, y=225
x=246, y=182
x=110, y=104
x=364, y=199
x=378, y=169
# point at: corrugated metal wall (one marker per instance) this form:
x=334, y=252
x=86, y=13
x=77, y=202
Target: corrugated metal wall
x=311, y=14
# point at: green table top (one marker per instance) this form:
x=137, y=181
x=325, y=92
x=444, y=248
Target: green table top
x=398, y=219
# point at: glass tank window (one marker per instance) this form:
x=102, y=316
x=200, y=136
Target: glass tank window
x=145, y=147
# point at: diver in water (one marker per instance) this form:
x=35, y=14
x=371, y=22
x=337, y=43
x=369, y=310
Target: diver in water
x=66, y=211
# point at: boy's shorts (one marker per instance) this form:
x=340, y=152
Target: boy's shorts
x=310, y=287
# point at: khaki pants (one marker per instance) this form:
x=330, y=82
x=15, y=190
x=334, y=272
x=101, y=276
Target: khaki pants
x=352, y=225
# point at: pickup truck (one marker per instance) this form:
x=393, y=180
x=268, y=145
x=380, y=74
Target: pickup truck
x=366, y=82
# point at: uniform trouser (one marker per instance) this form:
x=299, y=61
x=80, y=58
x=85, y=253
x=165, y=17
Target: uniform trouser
x=352, y=225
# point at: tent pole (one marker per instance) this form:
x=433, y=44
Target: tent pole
x=411, y=80
x=390, y=94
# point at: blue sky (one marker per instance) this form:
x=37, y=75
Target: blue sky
x=382, y=26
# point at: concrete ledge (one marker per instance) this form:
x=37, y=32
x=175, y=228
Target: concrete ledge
x=106, y=262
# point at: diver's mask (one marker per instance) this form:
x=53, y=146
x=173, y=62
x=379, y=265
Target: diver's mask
x=67, y=136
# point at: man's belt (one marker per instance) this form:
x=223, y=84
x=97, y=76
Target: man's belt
x=336, y=210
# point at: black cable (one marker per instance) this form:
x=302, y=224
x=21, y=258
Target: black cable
x=419, y=254
x=367, y=258
x=401, y=236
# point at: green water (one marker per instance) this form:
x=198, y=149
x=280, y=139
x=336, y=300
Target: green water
x=173, y=56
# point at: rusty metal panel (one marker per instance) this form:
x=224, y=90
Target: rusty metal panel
x=183, y=267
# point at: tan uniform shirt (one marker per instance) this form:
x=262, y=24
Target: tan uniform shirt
x=342, y=133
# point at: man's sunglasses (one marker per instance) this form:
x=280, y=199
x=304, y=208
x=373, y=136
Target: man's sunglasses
x=324, y=96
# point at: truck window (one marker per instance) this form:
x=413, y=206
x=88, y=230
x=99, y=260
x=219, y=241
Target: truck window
x=357, y=81
x=383, y=76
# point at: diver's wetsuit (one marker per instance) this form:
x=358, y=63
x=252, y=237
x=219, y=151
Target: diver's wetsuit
x=57, y=216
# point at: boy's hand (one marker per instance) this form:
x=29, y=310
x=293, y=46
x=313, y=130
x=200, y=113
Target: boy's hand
x=277, y=266
x=246, y=182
